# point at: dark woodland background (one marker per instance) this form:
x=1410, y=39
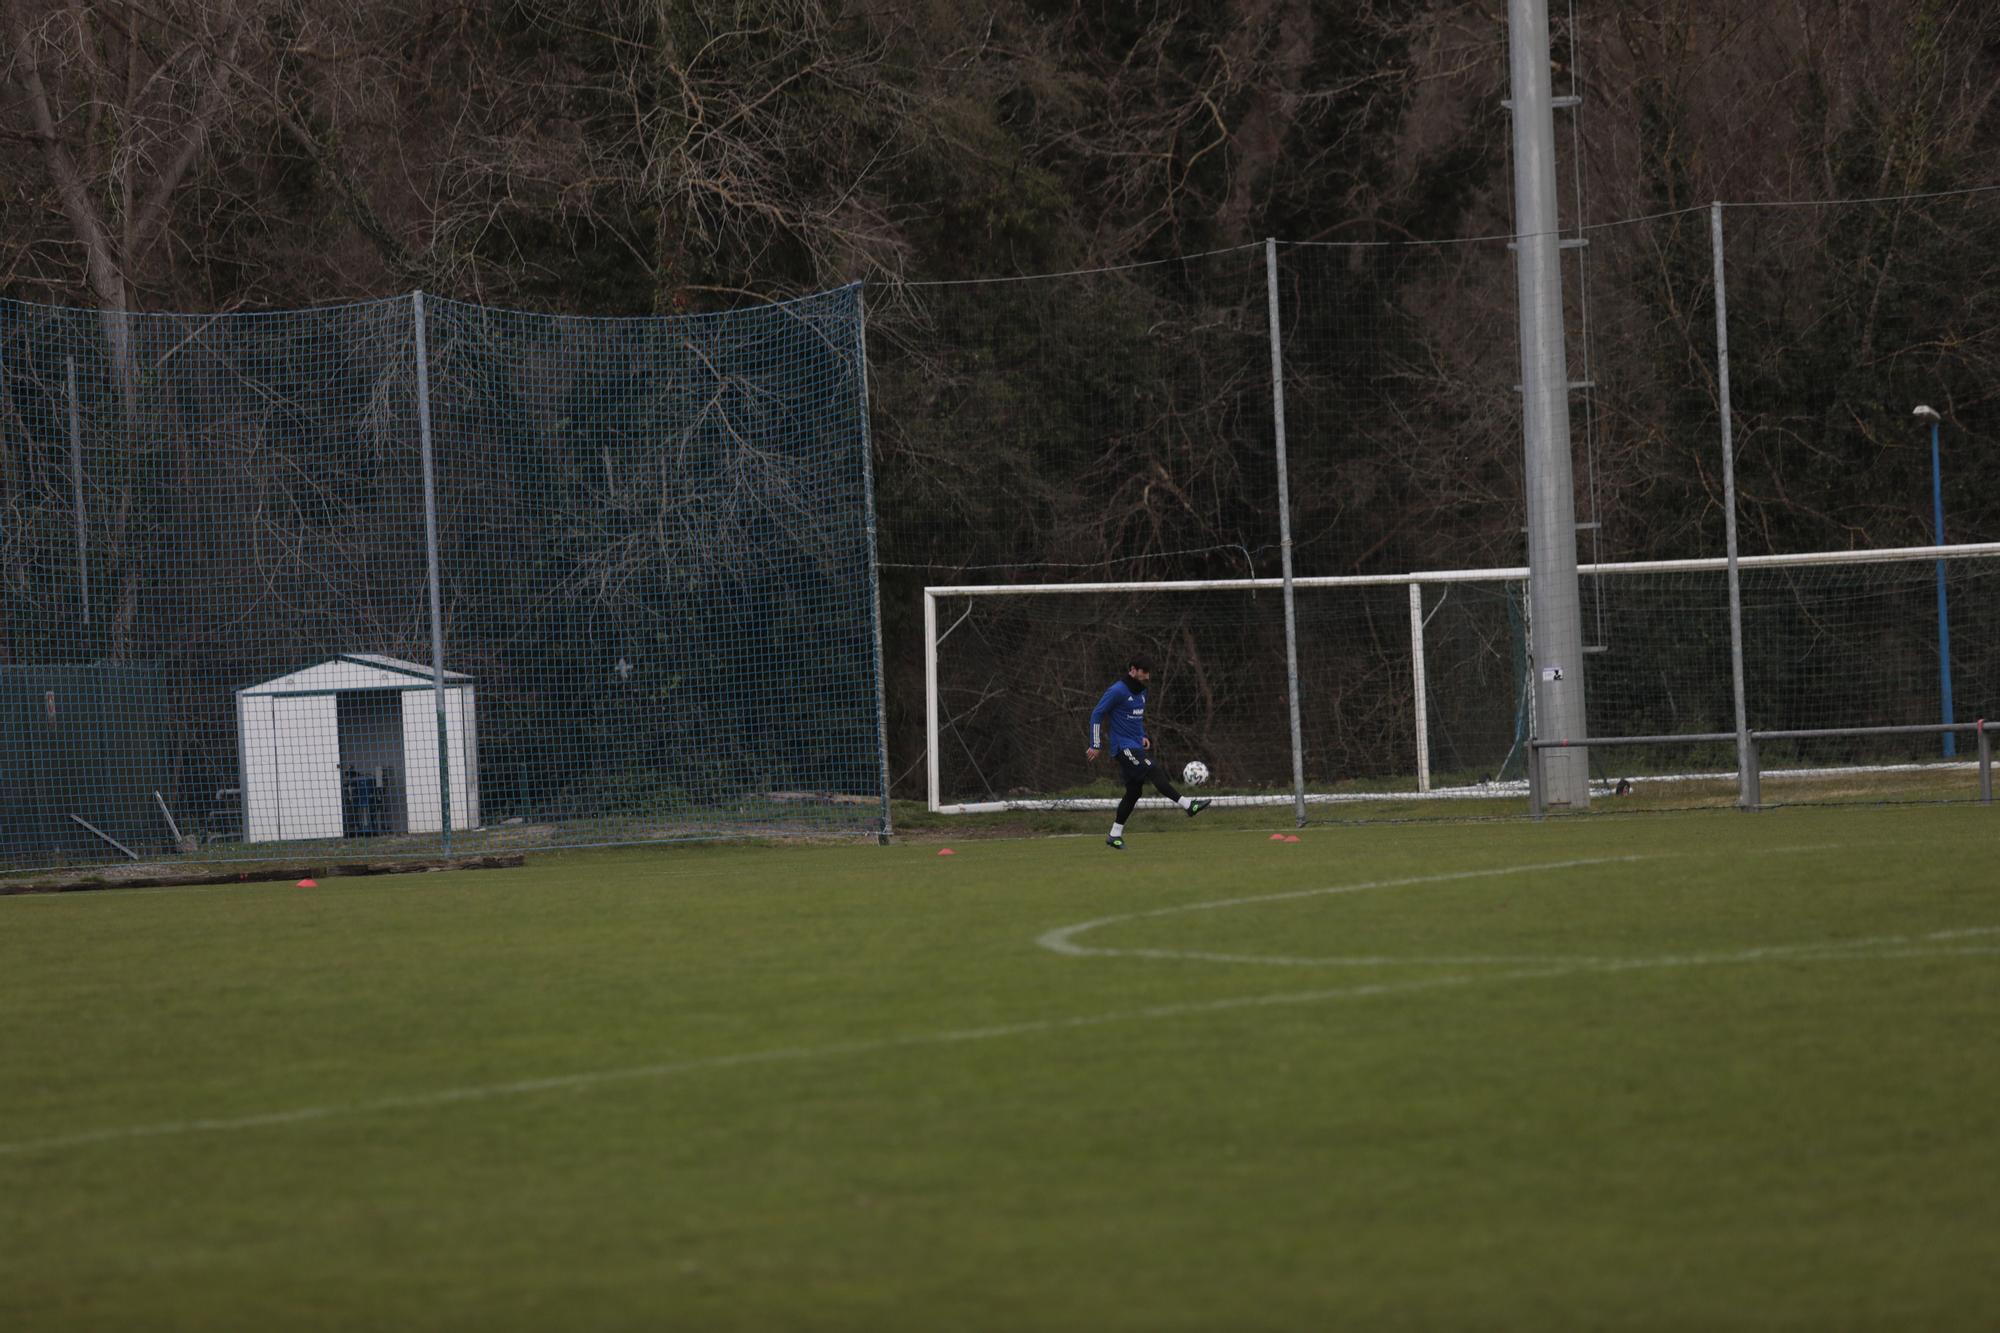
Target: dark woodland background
x=634, y=158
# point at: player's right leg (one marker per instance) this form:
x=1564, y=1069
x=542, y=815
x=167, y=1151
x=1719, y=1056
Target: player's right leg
x=1116, y=839
x=1132, y=770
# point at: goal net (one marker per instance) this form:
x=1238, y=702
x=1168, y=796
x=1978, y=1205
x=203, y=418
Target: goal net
x=1418, y=686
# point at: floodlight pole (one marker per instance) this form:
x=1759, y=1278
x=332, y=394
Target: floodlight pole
x=1555, y=605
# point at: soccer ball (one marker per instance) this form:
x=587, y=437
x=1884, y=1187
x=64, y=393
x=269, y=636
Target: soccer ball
x=1195, y=773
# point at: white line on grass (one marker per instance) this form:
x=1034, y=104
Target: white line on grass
x=1892, y=947
x=1063, y=940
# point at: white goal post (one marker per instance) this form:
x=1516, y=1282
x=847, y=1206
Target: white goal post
x=1915, y=560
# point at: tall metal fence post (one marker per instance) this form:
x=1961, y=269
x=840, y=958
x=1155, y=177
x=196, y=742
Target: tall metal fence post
x=1747, y=786
x=1985, y=764
x=431, y=556
x=1417, y=689
x=76, y=480
x=874, y=562
x=931, y=774
x=1944, y=616
x=1285, y=532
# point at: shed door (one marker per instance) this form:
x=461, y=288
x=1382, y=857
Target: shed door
x=257, y=744
x=420, y=752
x=306, y=735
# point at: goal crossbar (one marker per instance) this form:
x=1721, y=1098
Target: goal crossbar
x=1883, y=555
x=1414, y=580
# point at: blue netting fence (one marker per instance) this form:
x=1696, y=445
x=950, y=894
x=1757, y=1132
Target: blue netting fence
x=651, y=541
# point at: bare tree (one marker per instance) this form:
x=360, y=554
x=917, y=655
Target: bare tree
x=121, y=105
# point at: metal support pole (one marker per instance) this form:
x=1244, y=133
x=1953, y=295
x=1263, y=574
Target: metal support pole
x=1944, y=619
x=1746, y=772
x=886, y=828
x=1987, y=765
x=76, y=480
x=1285, y=533
x=1537, y=806
x=930, y=700
x=1417, y=686
x=1752, y=797
x=431, y=548
x=1551, y=501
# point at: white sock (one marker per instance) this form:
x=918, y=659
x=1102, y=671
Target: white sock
x=1184, y=802
x=1117, y=830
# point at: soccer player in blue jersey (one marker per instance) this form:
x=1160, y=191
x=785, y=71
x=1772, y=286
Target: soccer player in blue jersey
x=1122, y=712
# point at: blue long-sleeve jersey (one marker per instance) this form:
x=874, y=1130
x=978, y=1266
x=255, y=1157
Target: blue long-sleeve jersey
x=1127, y=714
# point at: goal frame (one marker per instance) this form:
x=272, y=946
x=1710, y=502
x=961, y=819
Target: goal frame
x=1415, y=582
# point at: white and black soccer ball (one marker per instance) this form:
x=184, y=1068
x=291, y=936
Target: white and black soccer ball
x=1195, y=773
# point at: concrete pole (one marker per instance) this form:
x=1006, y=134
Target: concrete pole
x=1555, y=607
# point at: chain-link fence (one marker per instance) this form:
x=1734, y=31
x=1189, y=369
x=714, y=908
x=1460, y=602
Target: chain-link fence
x=1400, y=380
x=426, y=572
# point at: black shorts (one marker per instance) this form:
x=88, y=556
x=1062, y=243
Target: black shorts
x=1135, y=766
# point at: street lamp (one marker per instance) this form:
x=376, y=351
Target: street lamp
x=1924, y=412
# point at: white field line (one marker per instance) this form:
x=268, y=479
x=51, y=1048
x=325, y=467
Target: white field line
x=1939, y=943
x=1889, y=947
x=1063, y=940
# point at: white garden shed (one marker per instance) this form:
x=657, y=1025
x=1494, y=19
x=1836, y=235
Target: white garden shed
x=349, y=747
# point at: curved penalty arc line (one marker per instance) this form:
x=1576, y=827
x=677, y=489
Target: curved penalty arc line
x=1936, y=944
x=1063, y=940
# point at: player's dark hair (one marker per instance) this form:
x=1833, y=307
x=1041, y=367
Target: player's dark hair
x=1140, y=662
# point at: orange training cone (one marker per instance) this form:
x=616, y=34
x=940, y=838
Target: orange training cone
x=308, y=883
x=1291, y=837
x=946, y=851
x=1277, y=837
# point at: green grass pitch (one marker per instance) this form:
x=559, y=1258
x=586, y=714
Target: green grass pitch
x=1703, y=1070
